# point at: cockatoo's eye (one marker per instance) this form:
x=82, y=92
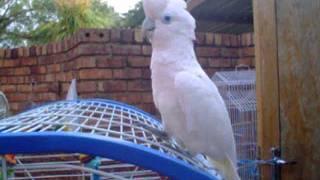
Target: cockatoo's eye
x=167, y=19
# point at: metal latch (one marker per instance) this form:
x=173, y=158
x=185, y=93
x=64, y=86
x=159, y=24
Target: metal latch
x=276, y=163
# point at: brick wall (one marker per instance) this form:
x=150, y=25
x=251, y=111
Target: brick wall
x=110, y=64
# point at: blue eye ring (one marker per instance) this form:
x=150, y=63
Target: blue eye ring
x=167, y=19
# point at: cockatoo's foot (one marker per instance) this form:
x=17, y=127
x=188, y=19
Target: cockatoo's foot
x=209, y=166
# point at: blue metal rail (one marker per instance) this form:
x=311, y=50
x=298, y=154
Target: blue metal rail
x=64, y=142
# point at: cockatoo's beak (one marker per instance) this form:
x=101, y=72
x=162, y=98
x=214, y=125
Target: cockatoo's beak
x=148, y=28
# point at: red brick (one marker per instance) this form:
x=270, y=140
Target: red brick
x=127, y=35
x=138, y=61
x=18, y=106
x=49, y=78
x=8, y=88
x=119, y=73
x=220, y=63
x=230, y=52
x=6, y=72
x=54, y=87
x=134, y=73
x=127, y=73
x=8, y=53
x=127, y=49
x=95, y=74
x=69, y=66
x=40, y=88
x=218, y=39
x=87, y=86
x=38, y=70
x=226, y=40
x=22, y=71
x=135, y=85
x=3, y=80
x=90, y=49
x=11, y=63
x=134, y=49
x=122, y=97
x=138, y=37
x=2, y=53
x=85, y=62
x=235, y=41
x=26, y=52
x=208, y=51
x=134, y=98
x=147, y=97
x=29, y=62
x=114, y=62
x=15, y=80
x=209, y=38
x=115, y=35
x=24, y=88
x=139, y=85
x=44, y=97
x=247, y=51
x=246, y=61
x=53, y=68
x=18, y=97
x=112, y=86
x=20, y=52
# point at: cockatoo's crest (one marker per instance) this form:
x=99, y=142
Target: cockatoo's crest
x=171, y=20
x=153, y=8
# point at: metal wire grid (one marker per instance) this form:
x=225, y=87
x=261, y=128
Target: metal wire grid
x=94, y=117
x=4, y=107
x=238, y=90
x=68, y=166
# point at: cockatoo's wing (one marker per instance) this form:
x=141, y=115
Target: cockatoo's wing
x=207, y=120
x=198, y=99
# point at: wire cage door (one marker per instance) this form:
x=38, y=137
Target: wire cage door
x=238, y=89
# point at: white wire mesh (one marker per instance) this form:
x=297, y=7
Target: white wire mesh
x=4, y=106
x=239, y=93
x=93, y=117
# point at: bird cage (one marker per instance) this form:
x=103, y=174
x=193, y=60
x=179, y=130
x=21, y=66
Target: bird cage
x=93, y=139
x=239, y=93
x=4, y=106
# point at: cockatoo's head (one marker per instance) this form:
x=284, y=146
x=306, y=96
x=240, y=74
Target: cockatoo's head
x=167, y=20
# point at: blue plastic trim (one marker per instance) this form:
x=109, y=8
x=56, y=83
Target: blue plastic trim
x=64, y=142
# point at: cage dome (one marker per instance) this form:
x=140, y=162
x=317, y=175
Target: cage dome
x=93, y=139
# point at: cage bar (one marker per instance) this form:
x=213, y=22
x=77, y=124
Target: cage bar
x=238, y=89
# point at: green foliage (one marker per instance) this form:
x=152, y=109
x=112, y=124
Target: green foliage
x=134, y=17
x=29, y=22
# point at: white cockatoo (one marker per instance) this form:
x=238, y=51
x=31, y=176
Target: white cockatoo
x=191, y=107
